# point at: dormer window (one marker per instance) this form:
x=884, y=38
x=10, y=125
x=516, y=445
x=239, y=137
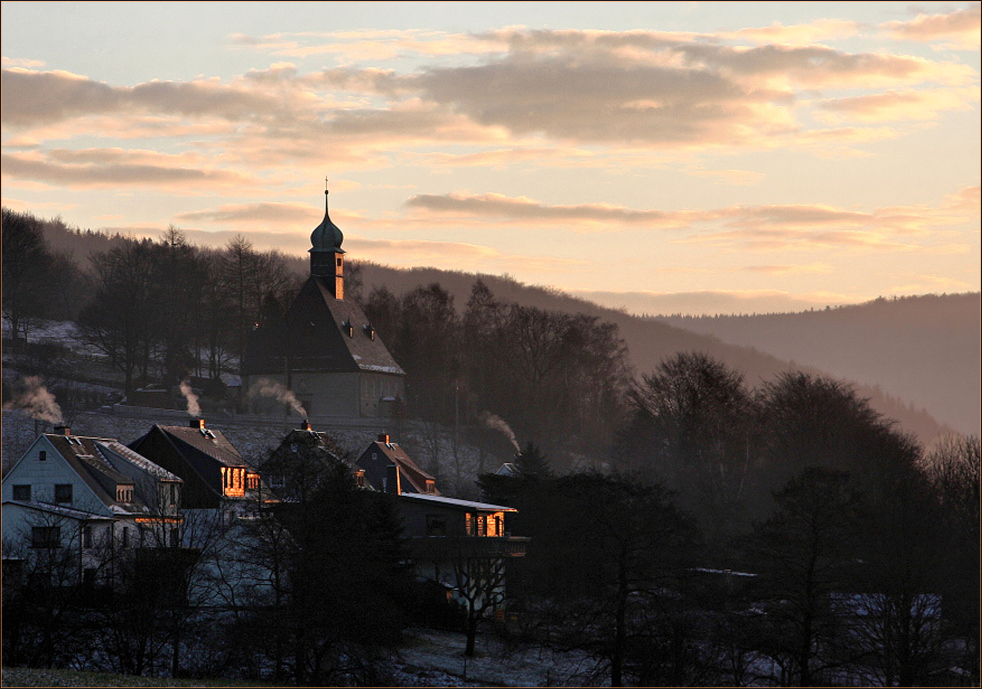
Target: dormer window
x=370, y=331
x=124, y=493
x=348, y=328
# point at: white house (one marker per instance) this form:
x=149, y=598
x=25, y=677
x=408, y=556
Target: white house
x=75, y=501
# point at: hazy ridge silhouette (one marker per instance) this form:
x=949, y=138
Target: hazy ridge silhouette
x=923, y=348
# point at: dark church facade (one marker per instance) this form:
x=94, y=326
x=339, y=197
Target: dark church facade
x=325, y=351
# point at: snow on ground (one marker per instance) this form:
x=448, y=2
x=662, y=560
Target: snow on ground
x=436, y=658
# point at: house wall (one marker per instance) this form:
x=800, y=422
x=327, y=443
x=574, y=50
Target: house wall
x=195, y=493
x=418, y=520
x=374, y=387
x=321, y=394
x=331, y=394
x=44, y=475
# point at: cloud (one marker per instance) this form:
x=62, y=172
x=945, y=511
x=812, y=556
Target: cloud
x=255, y=213
x=20, y=62
x=497, y=206
x=797, y=34
x=367, y=44
x=630, y=92
x=114, y=168
x=454, y=256
x=645, y=88
x=807, y=227
x=900, y=105
x=959, y=29
x=774, y=226
x=792, y=270
x=32, y=98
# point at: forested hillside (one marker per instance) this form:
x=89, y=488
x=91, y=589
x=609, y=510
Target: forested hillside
x=918, y=372
x=650, y=341
x=923, y=348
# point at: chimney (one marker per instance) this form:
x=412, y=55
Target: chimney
x=64, y=430
x=305, y=426
x=197, y=423
x=384, y=438
x=392, y=480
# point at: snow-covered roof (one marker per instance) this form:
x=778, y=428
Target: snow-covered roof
x=137, y=460
x=456, y=502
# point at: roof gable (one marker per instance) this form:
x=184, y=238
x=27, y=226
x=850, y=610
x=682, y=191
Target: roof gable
x=392, y=453
x=211, y=445
x=320, y=334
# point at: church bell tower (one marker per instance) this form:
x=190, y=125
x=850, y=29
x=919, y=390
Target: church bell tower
x=326, y=254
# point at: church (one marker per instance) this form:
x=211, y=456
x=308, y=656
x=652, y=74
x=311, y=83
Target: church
x=325, y=351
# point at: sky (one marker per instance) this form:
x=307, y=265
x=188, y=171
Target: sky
x=665, y=157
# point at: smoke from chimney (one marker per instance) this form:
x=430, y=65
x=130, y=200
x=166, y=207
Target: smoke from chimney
x=495, y=422
x=264, y=387
x=194, y=409
x=37, y=402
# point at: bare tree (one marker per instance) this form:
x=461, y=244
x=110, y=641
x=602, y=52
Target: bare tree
x=27, y=268
x=803, y=551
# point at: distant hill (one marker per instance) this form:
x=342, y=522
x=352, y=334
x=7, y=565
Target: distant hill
x=924, y=348
x=652, y=340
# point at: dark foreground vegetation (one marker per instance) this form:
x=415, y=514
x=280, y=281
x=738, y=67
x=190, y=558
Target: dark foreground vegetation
x=687, y=528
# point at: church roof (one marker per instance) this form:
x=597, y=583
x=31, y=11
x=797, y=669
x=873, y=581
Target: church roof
x=321, y=334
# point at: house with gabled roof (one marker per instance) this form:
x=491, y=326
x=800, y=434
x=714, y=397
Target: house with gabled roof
x=88, y=495
x=325, y=350
x=214, y=472
x=389, y=469
x=460, y=545
x=295, y=469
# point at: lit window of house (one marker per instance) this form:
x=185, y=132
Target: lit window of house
x=234, y=481
x=492, y=526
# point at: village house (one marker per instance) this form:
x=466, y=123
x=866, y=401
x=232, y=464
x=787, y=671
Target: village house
x=325, y=351
x=215, y=474
x=389, y=469
x=460, y=545
x=86, y=502
x=296, y=468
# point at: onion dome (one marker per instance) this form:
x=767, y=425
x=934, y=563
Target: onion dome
x=326, y=236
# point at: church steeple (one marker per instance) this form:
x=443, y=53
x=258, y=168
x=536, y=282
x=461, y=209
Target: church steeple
x=326, y=254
